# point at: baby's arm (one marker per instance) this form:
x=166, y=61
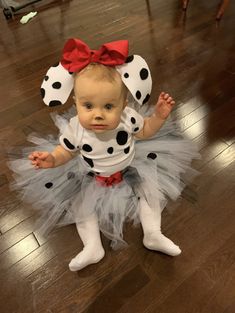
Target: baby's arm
x=153, y=123
x=44, y=159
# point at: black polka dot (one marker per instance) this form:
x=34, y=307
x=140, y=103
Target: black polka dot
x=71, y=73
x=46, y=78
x=144, y=73
x=42, y=91
x=130, y=58
x=122, y=137
x=48, y=185
x=56, y=64
x=88, y=161
x=138, y=94
x=133, y=120
x=110, y=150
x=70, y=175
x=136, y=129
x=54, y=103
x=90, y=174
x=146, y=99
x=68, y=144
x=87, y=148
x=56, y=85
x=152, y=156
x=126, y=150
x=126, y=75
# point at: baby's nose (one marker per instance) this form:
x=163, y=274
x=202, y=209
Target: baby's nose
x=98, y=118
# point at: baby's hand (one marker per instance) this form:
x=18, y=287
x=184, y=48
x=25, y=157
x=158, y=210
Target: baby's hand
x=164, y=105
x=41, y=159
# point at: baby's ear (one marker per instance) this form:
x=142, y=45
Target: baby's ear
x=125, y=103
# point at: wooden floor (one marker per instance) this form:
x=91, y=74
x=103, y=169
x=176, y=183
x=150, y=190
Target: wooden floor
x=193, y=58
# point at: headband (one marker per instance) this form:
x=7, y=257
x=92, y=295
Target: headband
x=59, y=80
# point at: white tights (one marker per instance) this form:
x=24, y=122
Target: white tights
x=93, y=250
x=153, y=237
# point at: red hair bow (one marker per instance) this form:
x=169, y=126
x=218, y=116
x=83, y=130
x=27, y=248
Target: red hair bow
x=114, y=179
x=77, y=55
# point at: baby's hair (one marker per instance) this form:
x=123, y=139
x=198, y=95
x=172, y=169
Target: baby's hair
x=101, y=72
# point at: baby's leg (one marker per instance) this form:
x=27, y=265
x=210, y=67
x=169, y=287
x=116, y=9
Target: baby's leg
x=153, y=237
x=93, y=251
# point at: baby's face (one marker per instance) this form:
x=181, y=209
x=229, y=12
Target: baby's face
x=99, y=103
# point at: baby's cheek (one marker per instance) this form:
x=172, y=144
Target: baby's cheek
x=83, y=121
x=115, y=121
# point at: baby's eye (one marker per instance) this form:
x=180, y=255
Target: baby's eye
x=108, y=106
x=88, y=105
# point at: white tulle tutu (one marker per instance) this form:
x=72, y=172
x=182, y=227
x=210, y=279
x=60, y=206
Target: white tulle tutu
x=70, y=193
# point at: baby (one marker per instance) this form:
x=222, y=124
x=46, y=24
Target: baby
x=104, y=117
x=111, y=164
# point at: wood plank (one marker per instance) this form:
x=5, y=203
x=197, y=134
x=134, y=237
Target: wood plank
x=18, y=252
x=17, y=233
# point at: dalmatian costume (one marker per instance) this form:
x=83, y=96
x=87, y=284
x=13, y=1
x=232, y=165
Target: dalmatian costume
x=111, y=172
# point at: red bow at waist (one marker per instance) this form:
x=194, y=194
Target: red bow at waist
x=114, y=179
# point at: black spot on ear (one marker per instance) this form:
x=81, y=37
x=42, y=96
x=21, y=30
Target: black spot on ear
x=144, y=73
x=110, y=150
x=138, y=94
x=130, y=58
x=70, y=175
x=122, y=137
x=152, y=156
x=46, y=78
x=48, y=185
x=54, y=103
x=126, y=75
x=133, y=120
x=42, y=91
x=88, y=161
x=68, y=144
x=56, y=64
x=126, y=150
x=146, y=99
x=87, y=148
x=56, y=85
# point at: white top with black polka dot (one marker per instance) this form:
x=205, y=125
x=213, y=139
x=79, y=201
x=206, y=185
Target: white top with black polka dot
x=108, y=152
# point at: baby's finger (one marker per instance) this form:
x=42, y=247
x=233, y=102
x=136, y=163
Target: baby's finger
x=43, y=155
x=166, y=96
x=169, y=100
x=35, y=154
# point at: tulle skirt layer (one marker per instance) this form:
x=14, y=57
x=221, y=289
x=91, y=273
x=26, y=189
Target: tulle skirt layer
x=70, y=193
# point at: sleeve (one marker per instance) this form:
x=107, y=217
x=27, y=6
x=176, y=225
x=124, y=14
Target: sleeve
x=70, y=138
x=134, y=120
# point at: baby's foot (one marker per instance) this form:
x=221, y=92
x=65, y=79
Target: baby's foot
x=159, y=242
x=89, y=255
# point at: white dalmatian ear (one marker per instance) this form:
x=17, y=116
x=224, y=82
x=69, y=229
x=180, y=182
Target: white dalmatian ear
x=136, y=76
x=57, y=85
